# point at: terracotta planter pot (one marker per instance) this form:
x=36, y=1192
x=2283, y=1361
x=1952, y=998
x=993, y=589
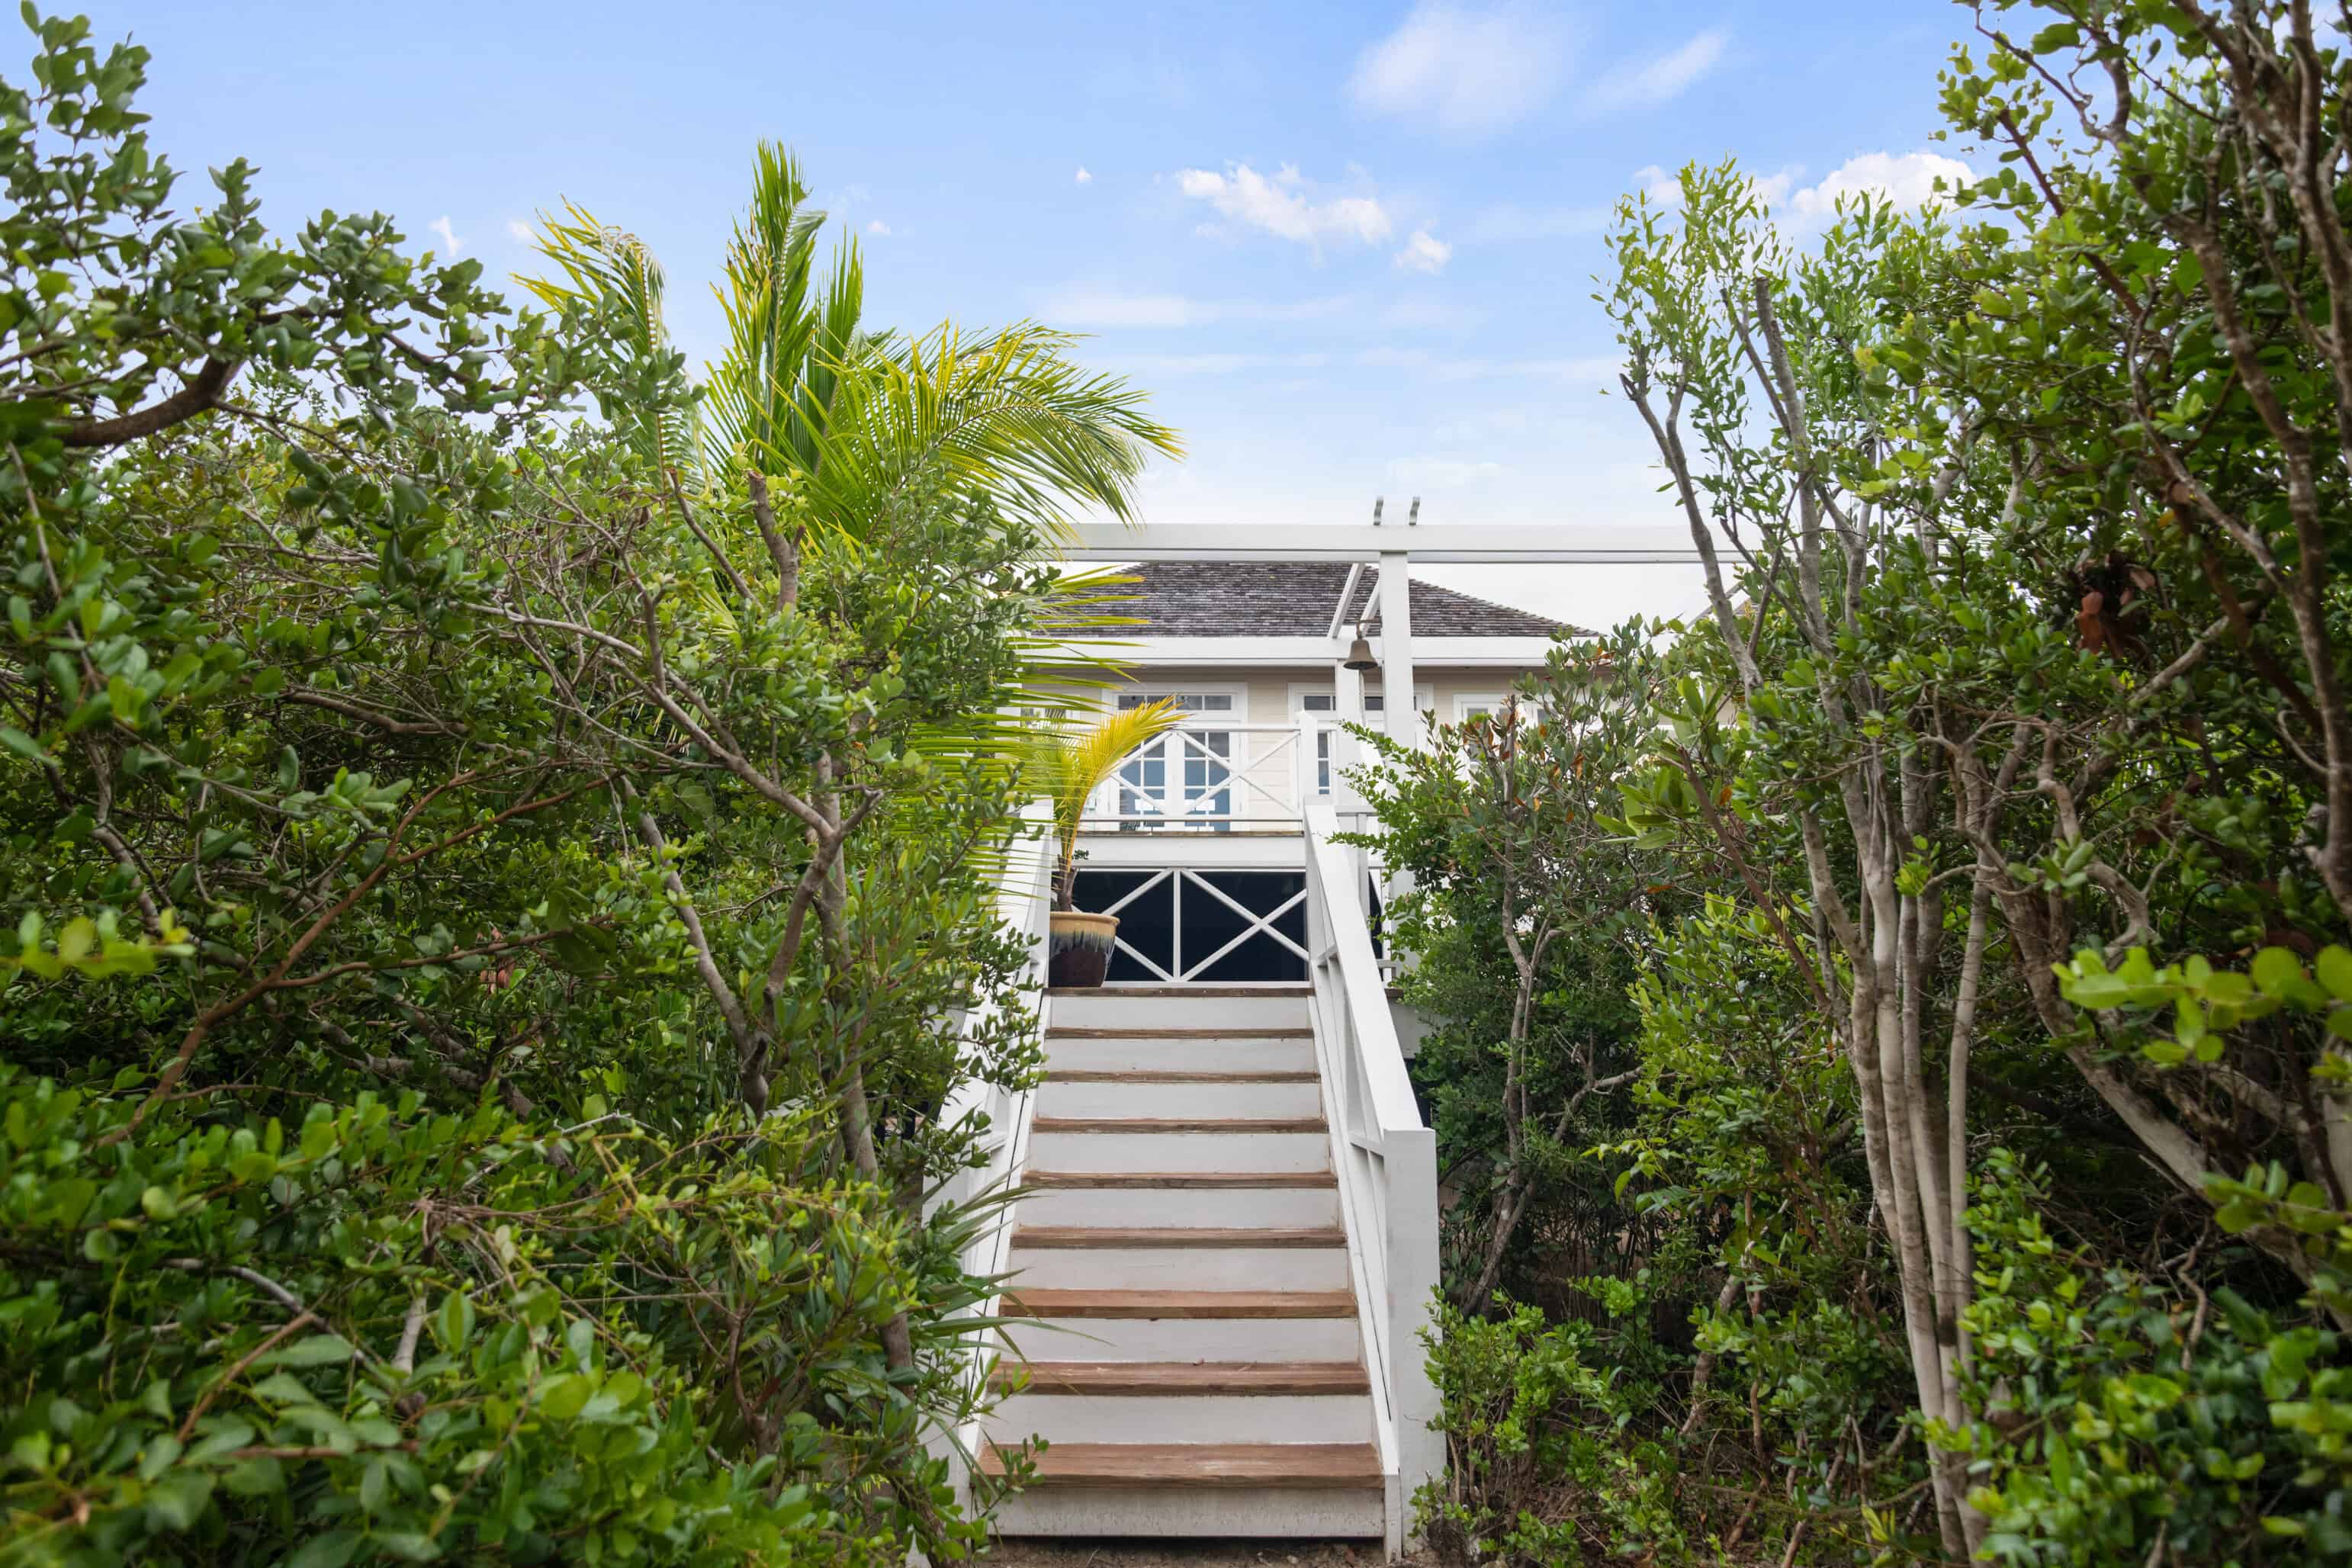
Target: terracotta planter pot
x=1078, y=950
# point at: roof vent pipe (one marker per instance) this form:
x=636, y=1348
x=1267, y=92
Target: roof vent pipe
x=1413, y=518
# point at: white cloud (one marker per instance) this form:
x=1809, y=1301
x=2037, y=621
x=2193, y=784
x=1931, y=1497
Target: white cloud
x=1504, y=224
x=1470, y=72
x=1774, y=188
x=1907, y=179
x=1661, y=80
x=1083, y=178
x=1281, y=206
x=1424, y=253
x=452, y=245
x=522, y=233
x=1666, y=190
x=877, y=227
x=1658, y=186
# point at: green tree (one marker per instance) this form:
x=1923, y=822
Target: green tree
x=1526, y=908
x=493, y=891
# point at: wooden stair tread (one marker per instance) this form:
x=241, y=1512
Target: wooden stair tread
x=1120, y=1180
x=1147, y=1304
x=1230, y=1032
x=1058, y=1236
x=1291, y=1466
x=1156, y=1075
x=1189, y=1377
x=1178, y=1124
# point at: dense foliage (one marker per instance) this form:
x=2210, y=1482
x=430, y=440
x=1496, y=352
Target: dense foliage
x=498, y=841
x=1982, y=860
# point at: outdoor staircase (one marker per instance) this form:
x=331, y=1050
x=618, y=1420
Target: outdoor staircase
x=1183, y=1288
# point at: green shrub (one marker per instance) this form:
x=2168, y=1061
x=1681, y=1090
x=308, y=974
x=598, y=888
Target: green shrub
x=1548, y=1456
x=2110, y=1412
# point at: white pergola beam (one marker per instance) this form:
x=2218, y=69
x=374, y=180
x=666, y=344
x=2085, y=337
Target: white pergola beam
x=1563, y=543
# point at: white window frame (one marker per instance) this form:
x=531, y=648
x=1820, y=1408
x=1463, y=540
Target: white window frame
x=1230, y=723
x=1424, y=700
x=1467, y=704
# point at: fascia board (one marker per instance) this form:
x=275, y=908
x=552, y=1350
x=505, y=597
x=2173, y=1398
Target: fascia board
x=1317, y=653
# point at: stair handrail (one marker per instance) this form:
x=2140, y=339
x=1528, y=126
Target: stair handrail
x=1384, y=1154
x=1024, y=903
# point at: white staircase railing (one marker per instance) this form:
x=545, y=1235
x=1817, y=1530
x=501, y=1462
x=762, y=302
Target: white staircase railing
x=1385, y=1157
x=1024, y=901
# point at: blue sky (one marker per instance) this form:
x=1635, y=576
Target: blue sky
x=1349, y=247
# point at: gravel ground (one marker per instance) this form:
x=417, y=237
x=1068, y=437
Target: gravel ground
x=1206, y=1553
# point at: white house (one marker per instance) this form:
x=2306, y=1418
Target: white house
x=1222, y=1267
x=1196, y=846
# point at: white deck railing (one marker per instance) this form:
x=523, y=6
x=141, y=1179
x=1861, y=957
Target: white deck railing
x=1386, y=1160
x=1254, y=785
x=1024, y=901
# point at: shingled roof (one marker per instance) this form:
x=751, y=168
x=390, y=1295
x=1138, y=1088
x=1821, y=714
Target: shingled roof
x=1294, y=599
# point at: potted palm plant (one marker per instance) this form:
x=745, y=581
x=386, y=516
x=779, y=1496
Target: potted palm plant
x=1070, y=766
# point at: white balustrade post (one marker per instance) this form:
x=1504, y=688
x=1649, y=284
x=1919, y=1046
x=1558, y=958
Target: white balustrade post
x=1409, y=1162
x=1302, y=770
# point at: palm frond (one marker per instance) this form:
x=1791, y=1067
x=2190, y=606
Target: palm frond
x=610, y=276
x=761, y=405
x=1009, y=414
x=1071, y=766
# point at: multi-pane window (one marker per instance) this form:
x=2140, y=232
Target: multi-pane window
x=1327, y=701
x=1184, y=775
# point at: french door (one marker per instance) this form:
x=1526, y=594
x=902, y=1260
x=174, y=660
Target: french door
x=1185, y=778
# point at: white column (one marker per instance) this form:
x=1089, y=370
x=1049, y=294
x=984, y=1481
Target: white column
x=1400, y=719
x=1346, y=708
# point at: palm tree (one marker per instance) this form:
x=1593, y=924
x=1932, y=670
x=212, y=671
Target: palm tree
x=805, y=399
x=1069, y=767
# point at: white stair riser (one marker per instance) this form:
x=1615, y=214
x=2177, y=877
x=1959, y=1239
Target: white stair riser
x=1221, y=1207
x=1128, y=1152
x=1236, y=1054
x=1180, y=1267
x=1110, y=1010
x=1190, y=1511
x=1184, y=1339
x=1170, y=1100
x=1185, y=1419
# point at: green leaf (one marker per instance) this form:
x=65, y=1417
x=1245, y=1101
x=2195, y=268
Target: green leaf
x=331, y=1549
x=561, y=1399
x=317, y=1349
x=178, y=1500
x=453, y=1325
x=78, y=937
x=2333, y=968
x=2274, y=968
x=25, y=746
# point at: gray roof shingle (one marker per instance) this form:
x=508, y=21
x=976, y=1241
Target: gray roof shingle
x=1293, y=599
